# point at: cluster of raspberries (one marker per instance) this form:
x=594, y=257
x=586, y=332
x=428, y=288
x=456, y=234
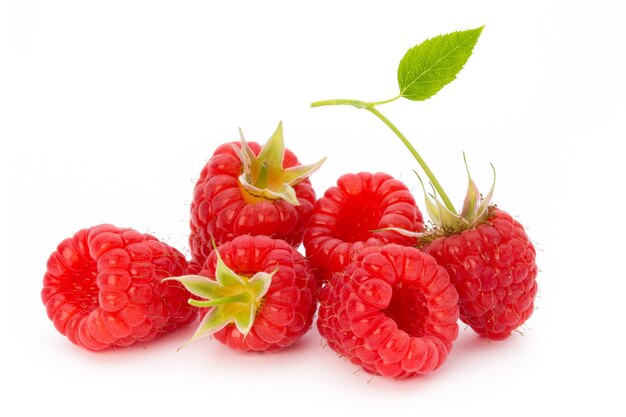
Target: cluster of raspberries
x=386, y=300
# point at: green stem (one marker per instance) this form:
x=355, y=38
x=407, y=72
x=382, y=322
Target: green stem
x=371, y=107
x=376, y=103
x=355, y=103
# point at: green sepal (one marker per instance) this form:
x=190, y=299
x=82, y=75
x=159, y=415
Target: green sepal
x=263, y=174
x=200, y=286
x=485, y=203
x=450, y=221
x=431, y=208
x=472, y=195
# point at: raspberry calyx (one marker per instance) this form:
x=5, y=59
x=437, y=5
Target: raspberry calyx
x=264, y=176
x=447, y=222
x=232, y=298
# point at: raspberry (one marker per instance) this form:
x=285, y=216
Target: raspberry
x=493, y=268
x=392, y=311
x=344, y=220
x=103, y=288
x=259, y=292
x=248, y=189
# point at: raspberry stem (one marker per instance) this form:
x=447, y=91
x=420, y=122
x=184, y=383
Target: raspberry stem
x=376, y=103
x=371, y=107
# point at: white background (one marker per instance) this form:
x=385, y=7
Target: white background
x=108, y=111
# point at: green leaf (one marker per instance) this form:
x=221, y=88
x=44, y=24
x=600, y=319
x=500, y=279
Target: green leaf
x=428, y=67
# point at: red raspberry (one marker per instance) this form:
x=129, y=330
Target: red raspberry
x=262, y=297
x=492, y=265
x=248, y=189
x=344, y=220
x=392, y=311
x=103, y=288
